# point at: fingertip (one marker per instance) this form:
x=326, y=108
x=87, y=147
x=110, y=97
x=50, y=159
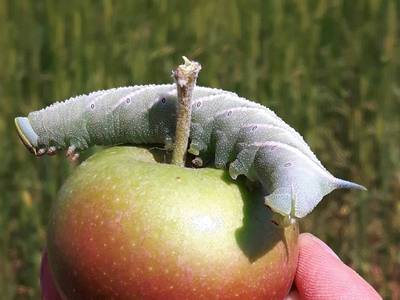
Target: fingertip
x=322, y=275
x=310, y=244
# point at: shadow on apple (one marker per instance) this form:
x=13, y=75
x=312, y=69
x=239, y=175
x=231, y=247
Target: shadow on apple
x=258, y=234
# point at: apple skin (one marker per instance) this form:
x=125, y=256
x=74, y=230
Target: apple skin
x=127, y=227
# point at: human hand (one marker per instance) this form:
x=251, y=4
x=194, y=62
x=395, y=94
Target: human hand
x=320, y=275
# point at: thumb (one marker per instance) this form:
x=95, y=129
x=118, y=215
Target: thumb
x=322, y=275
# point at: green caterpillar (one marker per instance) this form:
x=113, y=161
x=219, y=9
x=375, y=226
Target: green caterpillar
x=225, y=128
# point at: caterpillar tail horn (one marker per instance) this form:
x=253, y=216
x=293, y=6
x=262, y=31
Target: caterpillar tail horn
x=344, y=184
x=26, y=133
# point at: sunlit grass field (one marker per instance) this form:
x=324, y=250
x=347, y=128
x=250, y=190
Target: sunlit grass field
x=331, y=69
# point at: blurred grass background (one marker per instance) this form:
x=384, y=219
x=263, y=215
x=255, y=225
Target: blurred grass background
x=329, y=68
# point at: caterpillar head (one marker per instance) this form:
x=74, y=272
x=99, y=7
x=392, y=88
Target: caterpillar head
x=27, y=135
x=30, y=139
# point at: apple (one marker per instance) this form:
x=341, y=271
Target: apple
x=125, y=226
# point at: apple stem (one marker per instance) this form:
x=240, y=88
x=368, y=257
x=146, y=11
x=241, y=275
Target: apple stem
x=185, y=78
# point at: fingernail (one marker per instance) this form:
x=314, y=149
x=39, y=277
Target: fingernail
x=322, y=245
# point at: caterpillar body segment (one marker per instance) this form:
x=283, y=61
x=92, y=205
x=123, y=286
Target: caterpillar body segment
x=253, y=133
x=205, y=112
x=245, y=136
x=284, y=161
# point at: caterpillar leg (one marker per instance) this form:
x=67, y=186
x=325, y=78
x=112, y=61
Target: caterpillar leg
x=197, y=162
x=243, y=163
x=285, y=215
x=40, y=152
x=72, y=155
x=70, y=151
x=52, y=150
x=197, y=143
x=286, y=220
